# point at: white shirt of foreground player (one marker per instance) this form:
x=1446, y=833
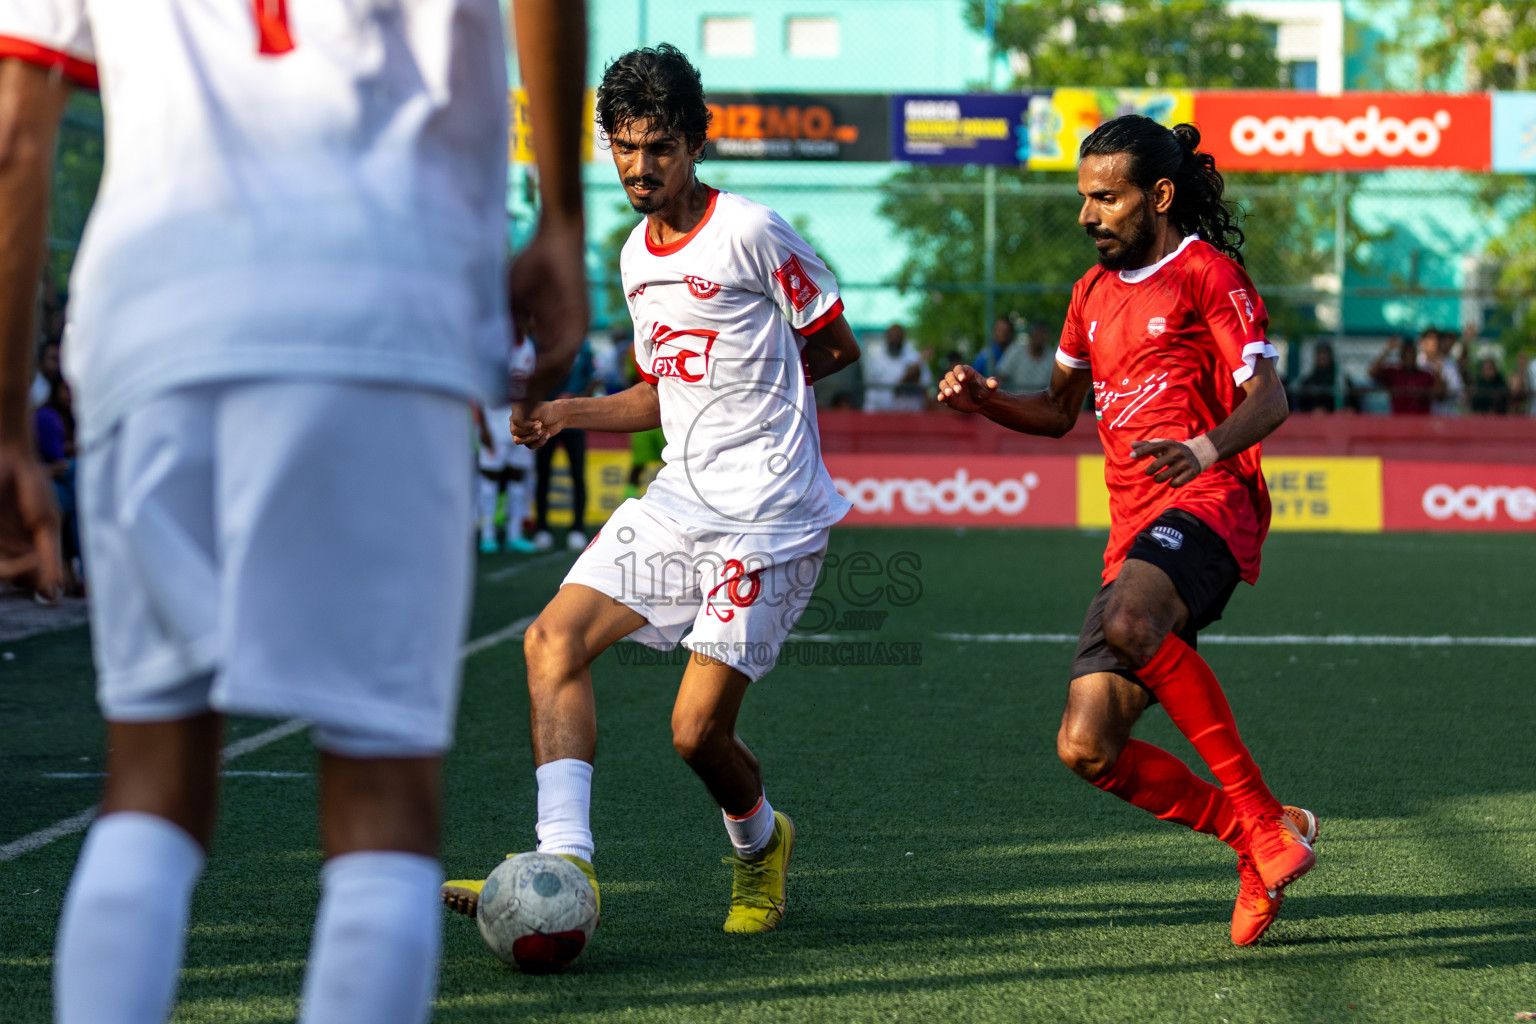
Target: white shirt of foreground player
x=719, y=316
x=335, y=210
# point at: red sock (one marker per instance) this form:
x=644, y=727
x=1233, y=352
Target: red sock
x=1156, y=781
x=1189, y=692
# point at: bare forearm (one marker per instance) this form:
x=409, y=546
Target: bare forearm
x=1261, y=412
x=552, y=53
x=31, y=103
x=1037, y=412
x=624, y=413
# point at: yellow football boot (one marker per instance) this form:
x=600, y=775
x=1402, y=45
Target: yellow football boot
x=462, y=895
x=758, y=895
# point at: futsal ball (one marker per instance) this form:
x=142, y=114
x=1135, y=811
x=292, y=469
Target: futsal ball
x=537, y=911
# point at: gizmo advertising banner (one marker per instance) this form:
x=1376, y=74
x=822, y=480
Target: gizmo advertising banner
x=799, y=126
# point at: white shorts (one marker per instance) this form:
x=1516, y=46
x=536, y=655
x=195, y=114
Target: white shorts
x=284, y=548
x=504, y=453
x=739, y=594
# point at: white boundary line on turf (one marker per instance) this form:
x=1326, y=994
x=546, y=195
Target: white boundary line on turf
x=1275, y=640
x=75, y=823
x=532, y=563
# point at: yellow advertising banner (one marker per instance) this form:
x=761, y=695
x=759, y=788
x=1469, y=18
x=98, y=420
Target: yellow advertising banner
x=1336, y=494
x=1092, y=495
x=607, y=472
x=1060, y=120
x=1308, y=493
x=520, y=139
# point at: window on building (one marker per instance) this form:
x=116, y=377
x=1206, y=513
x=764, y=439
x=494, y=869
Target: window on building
x=814, y=37
x=729, y=35
x=1302, y=75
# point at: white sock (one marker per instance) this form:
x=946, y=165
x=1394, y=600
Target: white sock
x=377, y=940
x=124, y=925
x=486, y=504
x=565, y=807
x=750, y=832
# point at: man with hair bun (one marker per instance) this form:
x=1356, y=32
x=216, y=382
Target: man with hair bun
x=1169, y=331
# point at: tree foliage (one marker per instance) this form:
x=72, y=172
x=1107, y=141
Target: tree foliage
x=938, y=211
x=1471, y=44
x=1158, y=43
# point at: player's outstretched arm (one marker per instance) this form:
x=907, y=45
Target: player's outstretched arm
x=548, y=280
x=830, y=349
x=1263, y=408
x=1051, y=412
x=31, y=104
x=623, y=413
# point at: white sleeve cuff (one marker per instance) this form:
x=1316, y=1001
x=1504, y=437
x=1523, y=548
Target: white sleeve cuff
x=1252, y=353
x=1071, y=362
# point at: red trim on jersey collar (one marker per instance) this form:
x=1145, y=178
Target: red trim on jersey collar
x=677, y=244
x=823, y=320
x=80, y=72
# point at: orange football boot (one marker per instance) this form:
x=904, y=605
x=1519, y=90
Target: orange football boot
x=1257, y=906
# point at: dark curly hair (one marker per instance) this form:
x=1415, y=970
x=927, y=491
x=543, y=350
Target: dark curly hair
x=1174, y=153
x=655, y=84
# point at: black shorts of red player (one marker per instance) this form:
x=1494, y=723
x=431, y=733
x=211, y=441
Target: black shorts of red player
x=1202, y=569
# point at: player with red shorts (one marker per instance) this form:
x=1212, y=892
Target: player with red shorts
x=1169, y=331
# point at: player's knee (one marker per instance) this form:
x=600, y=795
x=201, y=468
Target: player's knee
x=1083, y=751
x=551, y=654
x=1132, y=635
x=696, y=740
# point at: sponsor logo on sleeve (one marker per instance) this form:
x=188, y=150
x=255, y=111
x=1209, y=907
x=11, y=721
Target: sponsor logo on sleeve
x=797, y=284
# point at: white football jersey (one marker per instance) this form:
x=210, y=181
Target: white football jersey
x=309, y=188
x=720, y=317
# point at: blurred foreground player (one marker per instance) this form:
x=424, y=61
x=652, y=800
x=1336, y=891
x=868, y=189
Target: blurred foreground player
x=1169, y=331
x=734, y=317
x=291, y=286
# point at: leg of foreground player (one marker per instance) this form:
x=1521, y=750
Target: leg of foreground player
x=704, y=733
x=123, y=929
x=1095, y=742
x=378, y=932
x=1138, y=624
x=559, y=647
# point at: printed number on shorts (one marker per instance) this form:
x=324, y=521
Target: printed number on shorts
x=734, y=574
x=272, y=35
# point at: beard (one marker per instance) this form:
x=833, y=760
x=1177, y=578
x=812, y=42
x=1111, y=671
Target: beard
x=1135, y=240
x=645, y=204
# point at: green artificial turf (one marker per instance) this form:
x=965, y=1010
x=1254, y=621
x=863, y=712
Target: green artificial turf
x=948, y=868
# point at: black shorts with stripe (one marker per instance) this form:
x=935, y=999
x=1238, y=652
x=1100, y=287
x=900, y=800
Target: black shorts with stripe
x=1201, y=567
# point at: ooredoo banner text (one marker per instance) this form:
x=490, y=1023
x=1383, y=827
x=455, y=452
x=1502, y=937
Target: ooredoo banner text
x=1291, y=131
x=943, y=490
x=1458, y=496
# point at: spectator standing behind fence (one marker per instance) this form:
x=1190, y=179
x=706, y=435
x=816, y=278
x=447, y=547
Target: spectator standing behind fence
x=580, y=384
x=1318, y=390
x=1436, y=356
x=1411, y=389
x=989, y=361
x=896, y=377
x=1027, y=367
x=1489, y=393
x=1521, y=385
x=47, y=373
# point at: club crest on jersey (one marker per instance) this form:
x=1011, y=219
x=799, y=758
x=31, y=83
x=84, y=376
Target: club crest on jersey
x=1168, y=537
x=797, y=284
x=701, y=288
x=682, y=363
x=1157, y=325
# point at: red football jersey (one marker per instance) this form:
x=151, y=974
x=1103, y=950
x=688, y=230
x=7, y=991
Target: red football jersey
x=1170, y=346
